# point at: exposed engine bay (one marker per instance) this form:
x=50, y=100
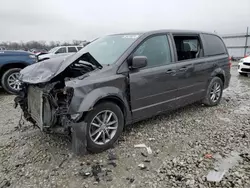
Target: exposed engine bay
x=46, y=104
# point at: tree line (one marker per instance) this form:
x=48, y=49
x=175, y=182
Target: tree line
x=38, y=44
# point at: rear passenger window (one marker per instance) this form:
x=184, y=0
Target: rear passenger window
x=188, y=47
x=72, y=49
x=156, y=49
x=213, y=45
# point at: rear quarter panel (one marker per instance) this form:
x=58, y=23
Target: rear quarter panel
x=217, y=64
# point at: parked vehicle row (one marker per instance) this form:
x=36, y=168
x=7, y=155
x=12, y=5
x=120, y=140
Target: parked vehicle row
x=59, y=51
x=120, y=79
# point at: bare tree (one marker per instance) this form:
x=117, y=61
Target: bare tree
x=37, y=44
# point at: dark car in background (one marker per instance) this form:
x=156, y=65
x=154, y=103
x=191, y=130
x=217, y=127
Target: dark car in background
x=121, y=79
x=11, y=62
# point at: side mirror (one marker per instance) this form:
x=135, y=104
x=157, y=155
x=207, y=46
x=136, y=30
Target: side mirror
x=139, y=62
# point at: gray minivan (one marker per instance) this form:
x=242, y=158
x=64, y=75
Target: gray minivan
x=123, y=78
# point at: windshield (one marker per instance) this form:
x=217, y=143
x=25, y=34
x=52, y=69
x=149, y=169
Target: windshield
x=108, y=49
x=54, y=49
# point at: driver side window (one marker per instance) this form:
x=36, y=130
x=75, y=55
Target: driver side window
x=61, y=50
x=156, y=49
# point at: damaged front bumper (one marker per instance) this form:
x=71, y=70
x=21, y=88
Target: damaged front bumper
x=47, y=107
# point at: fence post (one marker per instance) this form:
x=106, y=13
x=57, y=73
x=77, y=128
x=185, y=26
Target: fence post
x=245, y=52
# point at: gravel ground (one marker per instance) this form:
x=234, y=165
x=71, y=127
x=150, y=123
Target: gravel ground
x=185, y=143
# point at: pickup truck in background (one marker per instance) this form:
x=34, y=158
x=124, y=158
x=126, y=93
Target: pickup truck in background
x=11, y=62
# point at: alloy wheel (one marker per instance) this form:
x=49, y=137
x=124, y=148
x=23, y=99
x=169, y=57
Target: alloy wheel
x=103, y=127
x=13, y=81
x=215, y=92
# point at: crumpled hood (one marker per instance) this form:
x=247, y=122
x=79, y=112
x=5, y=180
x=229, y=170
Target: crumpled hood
x=44, y=71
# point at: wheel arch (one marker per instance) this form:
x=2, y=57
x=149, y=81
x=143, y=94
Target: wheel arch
x=114, y=99
x=9, y=66
x=87, y=102
x=219, y=72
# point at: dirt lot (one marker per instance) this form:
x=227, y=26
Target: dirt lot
x=180, y=142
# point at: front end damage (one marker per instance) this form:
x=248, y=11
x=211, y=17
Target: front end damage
x=46, y=106
x=45, y=98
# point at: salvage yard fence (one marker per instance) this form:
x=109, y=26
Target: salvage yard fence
x=238, y=45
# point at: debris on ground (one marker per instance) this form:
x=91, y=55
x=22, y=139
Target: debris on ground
x=131, y=180
x=84, y=173
x=208, y=156
x=142, y=166
x=215, y=176
x=96, y=169
x=151, y=139
x=112, y=163
x=222, y=166
x=245, y=156
x=112, y=156
x=149, y=150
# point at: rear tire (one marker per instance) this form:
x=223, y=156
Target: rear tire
x=94, y=146
x=214, y=92
x=7, y=77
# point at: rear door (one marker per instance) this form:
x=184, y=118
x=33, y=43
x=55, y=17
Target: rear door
x=191, y=67
x=153, y=88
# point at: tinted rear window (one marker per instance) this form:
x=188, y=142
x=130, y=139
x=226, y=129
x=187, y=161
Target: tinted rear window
x=214, y=45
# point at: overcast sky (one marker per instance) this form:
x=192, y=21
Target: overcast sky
x=65, y=20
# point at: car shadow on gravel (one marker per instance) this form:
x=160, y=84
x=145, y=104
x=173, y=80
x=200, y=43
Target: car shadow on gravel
x=2, y=92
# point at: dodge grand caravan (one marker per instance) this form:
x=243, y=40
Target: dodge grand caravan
x=123, y=78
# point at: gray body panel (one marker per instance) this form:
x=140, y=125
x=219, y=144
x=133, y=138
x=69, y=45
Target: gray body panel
x=143, y=92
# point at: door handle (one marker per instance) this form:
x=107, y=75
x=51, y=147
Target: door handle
x=171, y=71
x=183, y=69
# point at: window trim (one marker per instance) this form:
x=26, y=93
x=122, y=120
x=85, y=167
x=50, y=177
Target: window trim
x=190, y=35
x=148, y=37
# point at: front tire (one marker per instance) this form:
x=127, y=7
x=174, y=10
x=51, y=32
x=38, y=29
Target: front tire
x=10, y=82
x=104, y=125
x=214, y=92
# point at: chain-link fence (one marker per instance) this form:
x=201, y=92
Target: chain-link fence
x=238, y=44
